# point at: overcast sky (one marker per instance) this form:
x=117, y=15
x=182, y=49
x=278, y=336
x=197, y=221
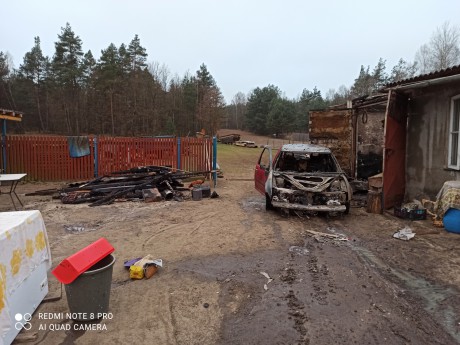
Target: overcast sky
x=292, y=44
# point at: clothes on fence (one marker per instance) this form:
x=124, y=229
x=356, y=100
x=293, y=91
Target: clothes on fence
x=78, y=146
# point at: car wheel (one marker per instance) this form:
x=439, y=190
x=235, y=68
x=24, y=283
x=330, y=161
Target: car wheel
x=268, y=203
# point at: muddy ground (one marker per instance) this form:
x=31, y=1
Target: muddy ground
x=371, y=289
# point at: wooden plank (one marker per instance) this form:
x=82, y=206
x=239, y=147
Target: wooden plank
x=10, y=118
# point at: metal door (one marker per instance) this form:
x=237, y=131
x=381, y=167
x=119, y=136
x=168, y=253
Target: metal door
x=394, y=160
x=263, y=167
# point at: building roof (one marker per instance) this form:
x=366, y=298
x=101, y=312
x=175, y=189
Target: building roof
x=10, y=115
x=447, y=72
x=373, y=103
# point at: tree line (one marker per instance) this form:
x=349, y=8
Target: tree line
x=119, y=94
x=266, y=111
x=122, y=94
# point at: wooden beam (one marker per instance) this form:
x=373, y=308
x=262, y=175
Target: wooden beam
x=11, y=118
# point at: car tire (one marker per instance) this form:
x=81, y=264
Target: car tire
x=268, y=203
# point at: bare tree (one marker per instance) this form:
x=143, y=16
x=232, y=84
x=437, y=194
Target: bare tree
x=6, y=73
x=402, y=70
x=339, y=96
x=424, y=59
x=239, y=102
x=442, y=51
x=160, y=73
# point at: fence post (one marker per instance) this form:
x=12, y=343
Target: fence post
x=4, y=145
x=178, y=153
x=214, y=160
x=96, y=158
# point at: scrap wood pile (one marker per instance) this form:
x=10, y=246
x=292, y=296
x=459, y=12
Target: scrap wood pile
x=149, y=183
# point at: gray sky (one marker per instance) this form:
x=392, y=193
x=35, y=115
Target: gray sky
x=292, y=44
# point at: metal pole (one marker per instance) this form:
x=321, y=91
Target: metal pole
x=214, y=160
x=4, y=145
x=96, y=159
x=178, y=153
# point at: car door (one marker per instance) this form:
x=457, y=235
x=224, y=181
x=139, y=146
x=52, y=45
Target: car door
x=263, y=167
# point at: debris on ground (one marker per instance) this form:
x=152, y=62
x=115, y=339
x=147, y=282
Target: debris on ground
x=147, y=183
x=412, y=210
x=298, y=250
x=195, y=183
x=214, y=195
x=404, y=234
x=79, y=228
x=229, y=138
x=317, y=234
x=269, y=279
x=144, y=267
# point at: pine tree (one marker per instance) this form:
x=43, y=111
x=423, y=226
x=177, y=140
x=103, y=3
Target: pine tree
x=259, y=106
x=109, y=74
x=67, y=59
x=210, y=102
x=67, y=71
x=34, y=70
x=137, y=54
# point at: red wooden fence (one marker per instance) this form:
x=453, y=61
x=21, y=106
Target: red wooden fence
x=115, y=154
x=46, y=158
x=196, y=154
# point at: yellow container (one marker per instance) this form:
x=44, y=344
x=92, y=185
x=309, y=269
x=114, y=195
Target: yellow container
x=136, y=272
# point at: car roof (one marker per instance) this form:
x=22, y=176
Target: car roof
x=308, y=148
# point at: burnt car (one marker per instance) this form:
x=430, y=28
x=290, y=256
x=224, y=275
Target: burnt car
x=302, y=177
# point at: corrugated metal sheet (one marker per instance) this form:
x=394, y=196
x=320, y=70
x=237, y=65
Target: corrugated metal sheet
x=447, y=72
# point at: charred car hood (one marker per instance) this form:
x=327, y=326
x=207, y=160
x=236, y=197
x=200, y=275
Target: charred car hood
x=309, y=182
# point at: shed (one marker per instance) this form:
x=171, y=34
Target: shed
x=422, y=141
x=354, y=132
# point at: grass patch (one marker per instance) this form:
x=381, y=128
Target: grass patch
x=237, y=161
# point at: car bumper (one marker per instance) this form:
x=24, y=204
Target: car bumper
x=313, y=208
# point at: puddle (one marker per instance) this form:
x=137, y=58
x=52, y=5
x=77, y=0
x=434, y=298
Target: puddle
x=434, y=296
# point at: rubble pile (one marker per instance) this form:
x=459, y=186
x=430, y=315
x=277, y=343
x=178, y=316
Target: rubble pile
x=148, y=183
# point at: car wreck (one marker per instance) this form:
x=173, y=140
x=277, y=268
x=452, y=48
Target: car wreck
x=302, y=177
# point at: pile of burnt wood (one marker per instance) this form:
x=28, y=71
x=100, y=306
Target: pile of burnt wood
x=149, y=183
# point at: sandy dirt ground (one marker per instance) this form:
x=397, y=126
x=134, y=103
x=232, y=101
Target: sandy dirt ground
x=218, y=253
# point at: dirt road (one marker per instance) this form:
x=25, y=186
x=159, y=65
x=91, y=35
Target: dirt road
x=236, y=274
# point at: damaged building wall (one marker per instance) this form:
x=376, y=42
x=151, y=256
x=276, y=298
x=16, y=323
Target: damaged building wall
x=428, y=140
x=332, y=128
x=370, y=143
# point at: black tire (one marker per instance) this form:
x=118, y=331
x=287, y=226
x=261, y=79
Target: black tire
x=268, y=203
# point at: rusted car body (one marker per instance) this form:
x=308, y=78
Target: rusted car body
x=302, y=177
x=246, y=143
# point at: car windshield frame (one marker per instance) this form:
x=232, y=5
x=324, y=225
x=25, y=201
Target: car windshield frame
x=306, y=162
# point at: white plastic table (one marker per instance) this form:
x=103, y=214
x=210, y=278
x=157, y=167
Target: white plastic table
x=14, y=179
